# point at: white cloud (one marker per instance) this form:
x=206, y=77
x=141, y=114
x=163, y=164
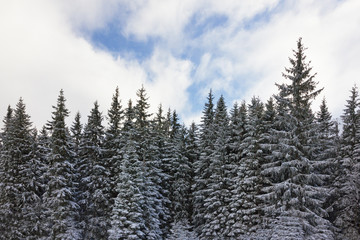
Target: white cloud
x=42, y=50
x=88, y=15
x=167, y=19
x=40, y=54
x=258, y=55
x=169, y=79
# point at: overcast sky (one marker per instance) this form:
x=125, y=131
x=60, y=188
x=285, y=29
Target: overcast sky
x=178, y=49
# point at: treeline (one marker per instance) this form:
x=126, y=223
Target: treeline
x=272, y=170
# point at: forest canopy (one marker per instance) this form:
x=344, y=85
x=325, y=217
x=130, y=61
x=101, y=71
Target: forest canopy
x=255, y=170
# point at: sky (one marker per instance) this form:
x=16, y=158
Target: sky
x=177, y=49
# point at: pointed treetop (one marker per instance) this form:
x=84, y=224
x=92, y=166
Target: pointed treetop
x=221, y=115
x=208, y=112
x=60, y=113
x=141, y=108
x=8, y=118
x=115, y=114
x=21, y=118
x=297, y=95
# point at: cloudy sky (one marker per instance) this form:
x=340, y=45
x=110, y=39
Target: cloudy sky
x=178, y=49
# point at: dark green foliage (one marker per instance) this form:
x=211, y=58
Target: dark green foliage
x=21, y=185
x=113, y=141
x=346, y=206
x=294, y=191
x=59, y=197
x=95, y=182
x=201, y=166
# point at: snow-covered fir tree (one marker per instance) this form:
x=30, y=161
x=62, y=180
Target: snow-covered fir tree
x=238, y=119
x=292, y=196
x=192, y=153
x=201, y=166
x=162, y=149
x=128, y=220
x=182, y=177
x=59, y=197
x=113, y=141
x=248, y=179
x=347, y=204
x=217, y=189
x=154, y=209
x=6, y=189
x=95, y=182
x=21, y=187
x=326, y=155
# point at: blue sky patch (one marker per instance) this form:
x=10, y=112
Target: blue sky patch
x=112, y=40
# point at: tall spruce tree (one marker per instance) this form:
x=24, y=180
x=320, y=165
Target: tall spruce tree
x=326, y=155
x=238, y=120
x=61, y=207
x=182, y=227
x=181, y=173
x=20, y=192
x=192, y=154
x=162, y=149
x=201, y=166
x=113, y=141
x=94, y=178
x=248, y=180
x=346, y=206
x=128, y=220
x=292, y=196
x=217, y=189
x=154, y=209
x=76, y=138
x=6, y=198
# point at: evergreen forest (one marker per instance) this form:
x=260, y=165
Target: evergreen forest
x=256, y=170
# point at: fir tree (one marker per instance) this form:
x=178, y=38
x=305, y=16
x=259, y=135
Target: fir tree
x=154, y=209
x=95, y=181
x=192, y=153
x=325, y=162
x=217, y=189
x=201, y=166
x=76, y=132
x=163, y=150
x=76, y=138
x=248, y=180
x=21, y=185
x=291, y=196
x=113, y=141
x=238, y=121
x=61, y=208
x=128, y=220
x=181, y=173
x=346, y=207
